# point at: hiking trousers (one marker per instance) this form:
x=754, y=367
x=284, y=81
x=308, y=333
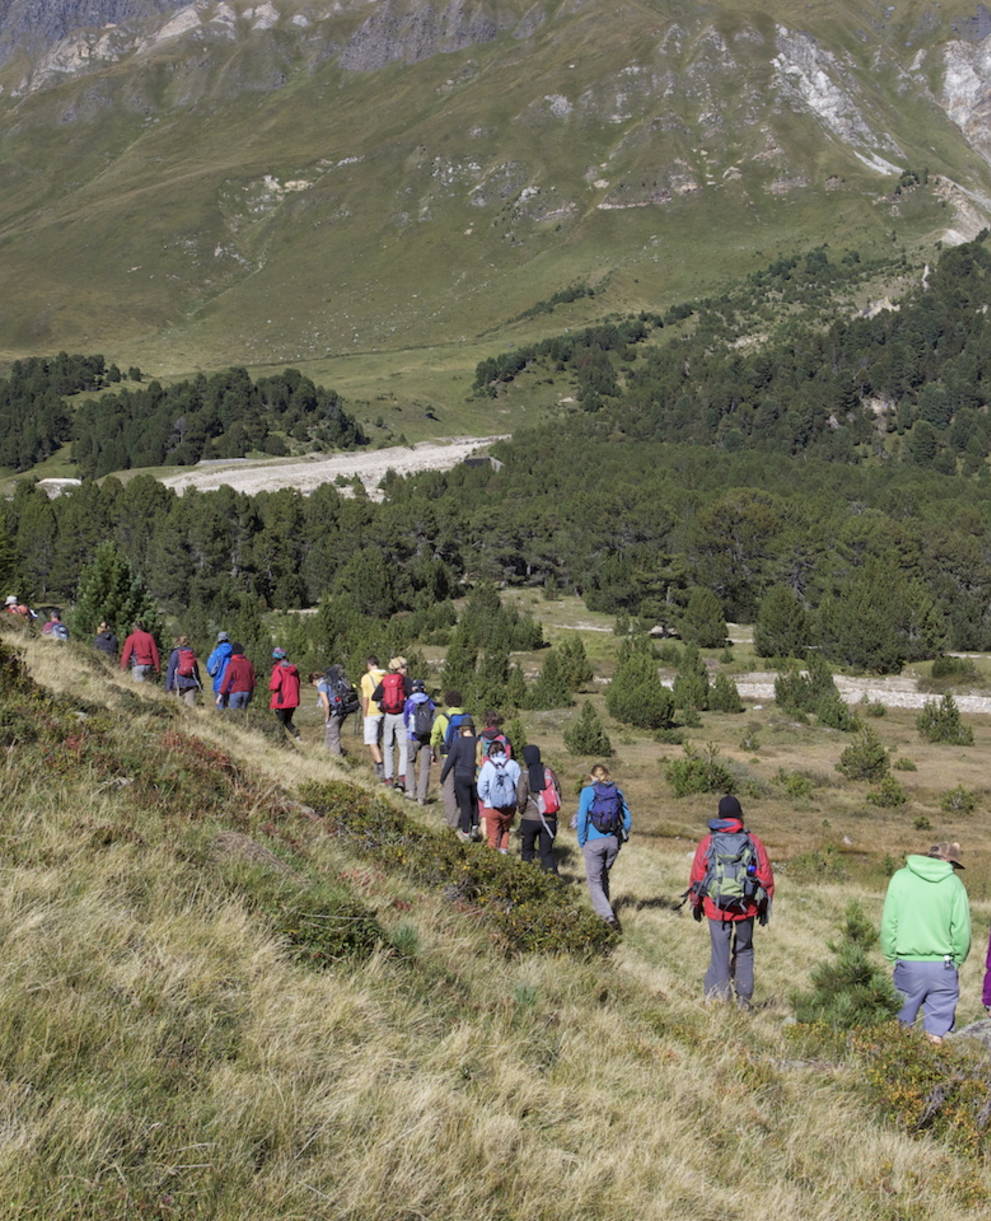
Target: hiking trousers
x=497, y=827
x=284, y=717
x=600, y=854
x=932, y=985
x=534, y=835
x=420, y=758
x=451, y=813
x=467, y=798
x=332, y=734
x=731, y=962
x=394, y=734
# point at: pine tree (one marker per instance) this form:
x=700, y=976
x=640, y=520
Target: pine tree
x=516, y=693
x=851, y=990
x=10, y=572
x=724, y=697
x=691, y=684
x=703, y=622
x=782, y=625
x=516, y=733
x=459, y=664
x=575, y=666
x=941, y=723
x=109, y=590
x=636, y=694
x=586, y=736
x=551, y=690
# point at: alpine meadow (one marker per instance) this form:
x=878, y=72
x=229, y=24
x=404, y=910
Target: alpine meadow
x=495, y=640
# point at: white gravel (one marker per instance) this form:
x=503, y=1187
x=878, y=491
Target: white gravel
x=309, y=473
x=893, y=692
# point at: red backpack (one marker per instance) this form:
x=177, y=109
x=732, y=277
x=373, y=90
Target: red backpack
x=186, y=665
x=548, y=799
x=393, y=699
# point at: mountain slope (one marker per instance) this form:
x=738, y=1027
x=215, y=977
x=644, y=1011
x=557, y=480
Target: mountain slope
x=273, y=182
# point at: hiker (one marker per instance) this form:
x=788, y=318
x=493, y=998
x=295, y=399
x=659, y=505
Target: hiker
x=418, y=717
x=490, y=735
x=53, y=628
x=105, y=641
x=497, y=781
x=141, y=653
x=460, y=763
x=603, y=824
x=284, y=686
x=14, y=606
x=925, y=932
x=239, y=679
x=371, y=714
x=731, y=882
x=183, y=672
x=337, y=700
x=216, y=667
x=391, y=695
x=441, y=738
x=538, y=799
x=986, y=990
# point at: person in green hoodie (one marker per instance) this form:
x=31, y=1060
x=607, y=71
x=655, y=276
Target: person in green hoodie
x=925, y=932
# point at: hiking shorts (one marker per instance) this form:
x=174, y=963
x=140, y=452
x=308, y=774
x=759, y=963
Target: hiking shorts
x=373, y=726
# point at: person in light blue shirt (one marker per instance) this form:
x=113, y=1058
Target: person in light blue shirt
x=603, y=823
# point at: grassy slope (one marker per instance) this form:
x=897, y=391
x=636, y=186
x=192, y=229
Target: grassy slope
x=162, y=1056
x=111, y=223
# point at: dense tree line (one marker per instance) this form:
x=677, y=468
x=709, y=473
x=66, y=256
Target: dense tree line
x=226, y=415
x=34, y=418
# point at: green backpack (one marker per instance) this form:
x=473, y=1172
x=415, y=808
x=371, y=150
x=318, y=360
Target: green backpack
x=730, y=876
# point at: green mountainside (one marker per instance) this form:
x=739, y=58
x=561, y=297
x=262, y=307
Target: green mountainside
x=245, y=184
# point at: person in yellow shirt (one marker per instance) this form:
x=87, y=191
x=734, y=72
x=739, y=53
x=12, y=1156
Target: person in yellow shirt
x=370, y=711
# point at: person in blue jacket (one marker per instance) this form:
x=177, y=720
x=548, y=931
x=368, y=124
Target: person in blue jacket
x=216, y=667
x=419, y=741
x=603, y=823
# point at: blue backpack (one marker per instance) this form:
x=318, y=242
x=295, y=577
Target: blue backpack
x=606, y=810
x=452, y=728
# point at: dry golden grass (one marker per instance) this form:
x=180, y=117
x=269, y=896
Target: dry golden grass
x=162, y=1057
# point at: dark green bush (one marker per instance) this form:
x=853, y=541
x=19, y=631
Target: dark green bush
x=849, y=990
x=586, y=736
x=531, y=911
x=833, y=712
x=865, y=758
x=940, y=722
x=703, y=772
x=320, y=922
x=958, y=800
x=888, y=795
x=723, y=696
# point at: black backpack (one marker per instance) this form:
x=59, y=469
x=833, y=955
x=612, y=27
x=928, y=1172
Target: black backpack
x=341, y=696
x=423, y=720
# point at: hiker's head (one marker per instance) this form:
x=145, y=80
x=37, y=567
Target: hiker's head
x=947, y=851
x=497, y=751
x=10, y=600
x=103, y=626
x=729, y=807
x=237, y=647
x=138, y=626
x=182, y=642
x=397, y=665
x=452, y=698
x=221, y=637
x=531, y=754
x=467, y=729
x=279, y=654
x=419, y=685
x=493, y=720
x=600, y=773
x=372, y=662
x=316, y=677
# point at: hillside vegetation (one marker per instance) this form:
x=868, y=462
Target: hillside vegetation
x=173, y=1047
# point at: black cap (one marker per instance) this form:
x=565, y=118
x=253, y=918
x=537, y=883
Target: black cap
x=729, y=807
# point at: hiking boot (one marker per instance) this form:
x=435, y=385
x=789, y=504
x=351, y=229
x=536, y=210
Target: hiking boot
x=463, y=836
x=378, y=770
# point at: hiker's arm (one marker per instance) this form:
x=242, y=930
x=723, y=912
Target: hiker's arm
x=889, y=921
x=960, y=926
x=765, y=874
x=581, y=825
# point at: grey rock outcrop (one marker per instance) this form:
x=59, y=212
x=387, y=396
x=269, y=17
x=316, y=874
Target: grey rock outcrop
x=32, y=25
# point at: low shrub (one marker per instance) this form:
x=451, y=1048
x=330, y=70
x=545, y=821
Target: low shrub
x=669, y=737
x=796, y=784
x=865, y=758
x=320, y=922
x=888, y=795
x=953, y=667
x=750, y=742
x=904, y=764
x=873, y=708
x=699, y=772
x=940, y=722
x=531, y=911
x=921, y=823
x=958, y=800
x=833, y=712
x=817, y=865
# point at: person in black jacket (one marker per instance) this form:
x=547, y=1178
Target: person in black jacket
x=461, y=761
x=105, y=641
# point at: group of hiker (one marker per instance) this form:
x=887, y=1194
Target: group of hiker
x=925, y=927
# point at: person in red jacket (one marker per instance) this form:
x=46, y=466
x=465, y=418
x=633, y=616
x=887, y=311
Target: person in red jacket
x=731, y=883
x=141, y=653
x=284, y=686
x=239, y=679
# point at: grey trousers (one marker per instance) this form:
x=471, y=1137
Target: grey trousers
x=933, y=985
x=394, y=734
x=731, y=962
x=420, y=757
x=599, y=856
x=332, y=734
x=451, y=811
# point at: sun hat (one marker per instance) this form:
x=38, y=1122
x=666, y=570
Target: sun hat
x=278, y=654
x=947, y=851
